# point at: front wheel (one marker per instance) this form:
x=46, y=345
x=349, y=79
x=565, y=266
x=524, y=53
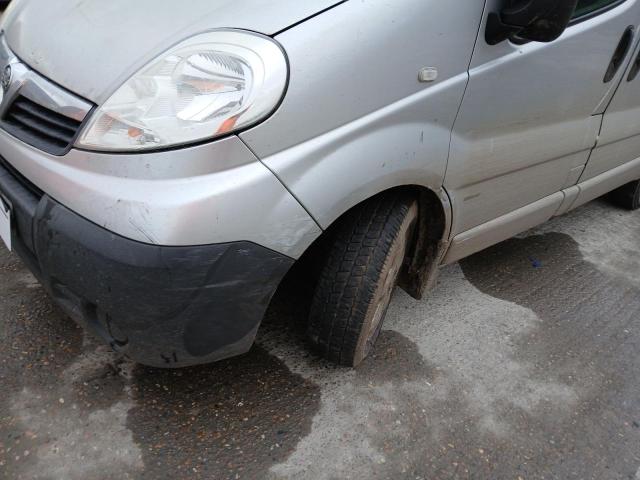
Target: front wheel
x=360, y=273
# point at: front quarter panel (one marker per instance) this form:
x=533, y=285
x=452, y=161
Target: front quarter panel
x=356, y=120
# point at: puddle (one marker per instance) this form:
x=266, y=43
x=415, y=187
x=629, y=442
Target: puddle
x=523, y=362
x=237, y=417
x=588, y=340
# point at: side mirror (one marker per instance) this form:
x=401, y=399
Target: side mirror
x=530, y=20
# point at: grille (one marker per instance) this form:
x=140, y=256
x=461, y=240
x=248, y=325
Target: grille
x=40, y=127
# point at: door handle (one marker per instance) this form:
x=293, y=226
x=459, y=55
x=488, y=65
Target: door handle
x=635, y=69
x=620, y=54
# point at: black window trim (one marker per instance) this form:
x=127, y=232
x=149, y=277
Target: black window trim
x=595, y=13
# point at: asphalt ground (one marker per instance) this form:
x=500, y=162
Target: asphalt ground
x=522, y=364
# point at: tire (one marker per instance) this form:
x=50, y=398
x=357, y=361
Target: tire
x=627, y=196
x=357, y=280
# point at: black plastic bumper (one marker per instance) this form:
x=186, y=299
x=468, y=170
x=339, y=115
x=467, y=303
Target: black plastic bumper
x=162, y=306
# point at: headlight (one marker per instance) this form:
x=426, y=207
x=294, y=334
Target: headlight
x=207, y=86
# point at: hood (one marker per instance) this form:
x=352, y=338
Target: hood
x=92, y=46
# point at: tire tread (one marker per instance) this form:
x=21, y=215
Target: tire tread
x=350, y=276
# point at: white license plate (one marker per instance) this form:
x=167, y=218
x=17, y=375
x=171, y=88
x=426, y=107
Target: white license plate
x=5, y=223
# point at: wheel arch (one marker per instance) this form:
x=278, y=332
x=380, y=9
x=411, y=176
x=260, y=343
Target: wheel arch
x=430, y=243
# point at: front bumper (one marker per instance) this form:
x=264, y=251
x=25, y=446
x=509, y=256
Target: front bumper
x=162, y=306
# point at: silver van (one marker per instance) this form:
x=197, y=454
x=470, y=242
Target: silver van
x=164, y=164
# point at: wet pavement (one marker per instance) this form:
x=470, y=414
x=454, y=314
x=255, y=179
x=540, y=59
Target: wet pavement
x=522, y=364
